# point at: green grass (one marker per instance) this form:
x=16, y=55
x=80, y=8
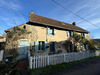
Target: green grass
x=54, y=68
x=97, y=50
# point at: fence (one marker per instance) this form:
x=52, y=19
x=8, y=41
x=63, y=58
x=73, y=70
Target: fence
x=46, y=60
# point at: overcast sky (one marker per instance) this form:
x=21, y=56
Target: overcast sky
x=88, y=9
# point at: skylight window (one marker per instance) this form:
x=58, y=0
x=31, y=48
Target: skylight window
x=62, y=23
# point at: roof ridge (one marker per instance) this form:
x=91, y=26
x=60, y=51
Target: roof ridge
x=51, y=19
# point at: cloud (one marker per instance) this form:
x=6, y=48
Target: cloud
x=14, y=4
x=96, y=21
x=57, y=10
x=11, y=20
x=81, y=7
x=88, y=26
x=91, y=15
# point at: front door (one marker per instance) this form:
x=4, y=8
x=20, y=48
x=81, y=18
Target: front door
x=23, y=50
x=52, y=47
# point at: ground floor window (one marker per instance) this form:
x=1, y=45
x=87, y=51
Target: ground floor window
x=40, y=46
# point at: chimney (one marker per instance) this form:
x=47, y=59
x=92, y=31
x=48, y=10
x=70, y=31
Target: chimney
x=30, y=14
x=74, y=23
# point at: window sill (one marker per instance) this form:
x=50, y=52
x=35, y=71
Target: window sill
x=51, y=35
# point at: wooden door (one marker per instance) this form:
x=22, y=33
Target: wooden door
x=23, y=50
x=52, y=47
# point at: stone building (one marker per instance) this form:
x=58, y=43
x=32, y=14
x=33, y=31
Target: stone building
x=2, y=42
x=42, y=36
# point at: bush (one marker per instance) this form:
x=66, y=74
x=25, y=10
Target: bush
x=14, y=31
x=91, y=46
x=15, y=72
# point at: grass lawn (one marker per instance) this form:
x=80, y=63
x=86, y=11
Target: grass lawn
x=54, y=68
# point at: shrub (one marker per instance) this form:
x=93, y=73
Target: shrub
x=82, y=40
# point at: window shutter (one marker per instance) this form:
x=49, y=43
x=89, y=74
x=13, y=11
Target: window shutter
x=85, y=35
x=54, y=31
x=86, y=46
x=83, y=47
x=36, y=46
x=71, y=33
x=40, y=45
x=51, y=31
x=48, y=31
x=81, y=34
x=46, y=44
x=67, y=33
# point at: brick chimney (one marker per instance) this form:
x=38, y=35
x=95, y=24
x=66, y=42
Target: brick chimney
x=30, y=14
x=74, y=23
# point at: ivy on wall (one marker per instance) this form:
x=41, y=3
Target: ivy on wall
x=16, y=30
x=82, y=40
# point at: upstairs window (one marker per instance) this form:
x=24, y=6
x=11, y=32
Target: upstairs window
x=40, y=46
x=69, y=33
x=51, y=31
x=83, y=34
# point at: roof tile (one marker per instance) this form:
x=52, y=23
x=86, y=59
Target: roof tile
x=50, y=22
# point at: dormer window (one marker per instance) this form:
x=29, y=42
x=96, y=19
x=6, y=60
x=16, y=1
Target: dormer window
x=62, y=23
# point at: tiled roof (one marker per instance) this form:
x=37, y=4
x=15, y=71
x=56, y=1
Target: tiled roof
x=50, y=22
x=1, y=37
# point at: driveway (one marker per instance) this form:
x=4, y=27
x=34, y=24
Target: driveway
x=88, y=68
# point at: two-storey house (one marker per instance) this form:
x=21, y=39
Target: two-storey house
x=45, y=36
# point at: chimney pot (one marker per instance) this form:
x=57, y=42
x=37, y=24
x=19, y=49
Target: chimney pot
x=31, y=12
x=74, y=23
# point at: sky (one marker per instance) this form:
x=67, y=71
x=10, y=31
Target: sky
x=16, y=12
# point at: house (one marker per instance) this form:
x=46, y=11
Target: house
x=2, y=39
x=2, y=42
x=42, y=36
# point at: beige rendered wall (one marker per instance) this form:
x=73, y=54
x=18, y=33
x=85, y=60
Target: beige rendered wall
x=3, y=40
x=39, y=33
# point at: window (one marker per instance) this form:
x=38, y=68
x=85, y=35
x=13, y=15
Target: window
x=40, y=45
x=51, y=31
x=83, y=34
x=24, y=27
x=69, y=33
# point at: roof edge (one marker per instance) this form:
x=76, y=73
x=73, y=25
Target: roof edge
x=14, y=26
x=58, y=27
